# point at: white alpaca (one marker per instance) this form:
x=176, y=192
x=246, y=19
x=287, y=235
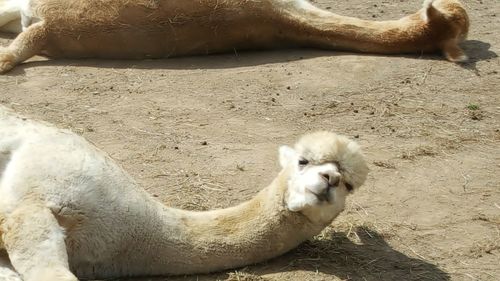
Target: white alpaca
x=68, y=210
x=10, y=15
x=165, y=28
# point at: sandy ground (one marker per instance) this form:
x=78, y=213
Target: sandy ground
x=203, y=132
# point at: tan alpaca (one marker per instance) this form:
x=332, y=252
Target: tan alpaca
x=68, y=210
x=165, y=28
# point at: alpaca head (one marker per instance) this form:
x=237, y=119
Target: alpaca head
x=323, y=168
x=450, y=20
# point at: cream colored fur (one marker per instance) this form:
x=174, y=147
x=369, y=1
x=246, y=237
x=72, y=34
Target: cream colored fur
x=10, y=15
x=165, y=28
x=68, y=211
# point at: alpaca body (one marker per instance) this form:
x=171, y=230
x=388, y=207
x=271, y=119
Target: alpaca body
x=106, y=217
x=153, y=29
x=66, y=210
x=165, y=28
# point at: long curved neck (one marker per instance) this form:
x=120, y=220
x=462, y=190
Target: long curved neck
x=331, y=31
x=198, y=242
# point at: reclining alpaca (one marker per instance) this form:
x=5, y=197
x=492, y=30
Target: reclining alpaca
x=165, y=28
x=66, y=209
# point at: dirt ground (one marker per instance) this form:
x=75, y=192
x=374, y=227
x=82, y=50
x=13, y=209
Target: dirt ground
x=203, y=132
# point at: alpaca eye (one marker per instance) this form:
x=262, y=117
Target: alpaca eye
x=303, y=162
x=348, y=187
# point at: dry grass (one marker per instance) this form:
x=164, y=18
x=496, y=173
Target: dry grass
x=412, y=154
x=243, y=276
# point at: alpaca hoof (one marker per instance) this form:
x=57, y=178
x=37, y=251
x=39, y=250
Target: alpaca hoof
x=7, y=62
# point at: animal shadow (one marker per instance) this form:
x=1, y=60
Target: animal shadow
x=477, y=51
x=370, y=259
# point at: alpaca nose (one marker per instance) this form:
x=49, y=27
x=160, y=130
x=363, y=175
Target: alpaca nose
x=325, y=176
x=332, y=180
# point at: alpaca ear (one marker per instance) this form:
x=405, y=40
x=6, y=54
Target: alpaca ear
x=429, y=11
x=287, y=155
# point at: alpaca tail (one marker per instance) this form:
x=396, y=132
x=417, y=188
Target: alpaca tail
x=10, y=15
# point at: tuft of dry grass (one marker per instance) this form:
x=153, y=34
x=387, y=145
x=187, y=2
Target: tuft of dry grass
x=384, y=164
x=244, y=276
x=418, y=151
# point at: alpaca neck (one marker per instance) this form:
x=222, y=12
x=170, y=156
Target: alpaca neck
x=331, y=31
x=200, y=242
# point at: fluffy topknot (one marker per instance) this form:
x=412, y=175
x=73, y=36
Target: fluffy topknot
x=323, y=146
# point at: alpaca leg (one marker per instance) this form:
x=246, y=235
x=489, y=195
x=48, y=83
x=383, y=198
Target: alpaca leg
x=35, y=244
x=27, y=44
x=7, y=273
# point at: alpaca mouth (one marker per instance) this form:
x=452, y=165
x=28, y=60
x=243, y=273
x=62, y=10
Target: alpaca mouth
x=325, y=196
